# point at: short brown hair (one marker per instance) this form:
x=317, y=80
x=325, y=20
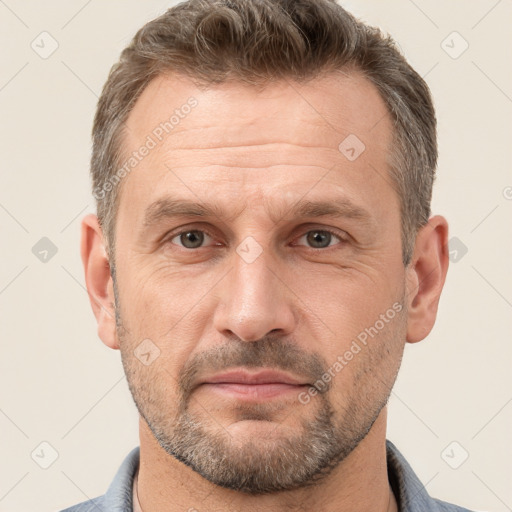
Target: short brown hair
x=255, y=42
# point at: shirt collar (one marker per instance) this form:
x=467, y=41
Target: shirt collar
x=410, y=493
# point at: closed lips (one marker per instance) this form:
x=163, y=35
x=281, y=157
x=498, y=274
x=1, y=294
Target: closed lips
x=263, y=377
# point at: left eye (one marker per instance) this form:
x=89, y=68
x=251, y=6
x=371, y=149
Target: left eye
x=320, y=239
x=191, y=239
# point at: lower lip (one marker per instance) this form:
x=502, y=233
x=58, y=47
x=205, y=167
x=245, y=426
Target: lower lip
x=254, y=391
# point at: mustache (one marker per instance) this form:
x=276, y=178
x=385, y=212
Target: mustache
x=272, y=352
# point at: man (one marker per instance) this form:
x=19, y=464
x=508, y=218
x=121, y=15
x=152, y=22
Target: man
x=262, y=252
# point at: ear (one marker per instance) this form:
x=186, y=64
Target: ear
x=98, y=280
x=426, y=275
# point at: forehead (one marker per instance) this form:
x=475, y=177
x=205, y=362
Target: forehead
x=235, y=142
x=332, y=105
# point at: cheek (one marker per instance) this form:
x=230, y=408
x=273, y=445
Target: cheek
x=350, y=300
x=357, y=321
x=366, y=366
x=172, y=309
x=158, y=296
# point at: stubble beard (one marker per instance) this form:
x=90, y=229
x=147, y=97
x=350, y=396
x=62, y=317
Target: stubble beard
x=256, y=465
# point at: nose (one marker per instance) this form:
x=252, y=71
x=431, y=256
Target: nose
x=254, y=301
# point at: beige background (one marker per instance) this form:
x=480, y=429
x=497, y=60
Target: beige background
x=62, y=386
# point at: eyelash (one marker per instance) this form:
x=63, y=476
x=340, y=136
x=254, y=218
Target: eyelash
x=342, y=239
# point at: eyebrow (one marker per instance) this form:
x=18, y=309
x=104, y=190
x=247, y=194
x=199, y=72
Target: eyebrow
x=168, y=207
x=341, y=208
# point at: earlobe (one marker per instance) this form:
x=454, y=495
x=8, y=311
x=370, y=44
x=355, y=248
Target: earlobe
x=98, y=279
x=426, y=277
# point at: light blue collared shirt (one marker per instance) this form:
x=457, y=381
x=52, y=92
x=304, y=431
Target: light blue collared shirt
x=410, y=493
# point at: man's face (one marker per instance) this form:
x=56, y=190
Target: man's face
x=294, y=265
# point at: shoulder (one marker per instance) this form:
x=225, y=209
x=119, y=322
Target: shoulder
x=119, y=494
x=409, y=491
x=442, y=506
x=94, y=505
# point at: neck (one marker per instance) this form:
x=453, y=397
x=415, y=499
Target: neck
x=359, y=483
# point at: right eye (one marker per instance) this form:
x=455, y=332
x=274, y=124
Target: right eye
x=190, y=239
